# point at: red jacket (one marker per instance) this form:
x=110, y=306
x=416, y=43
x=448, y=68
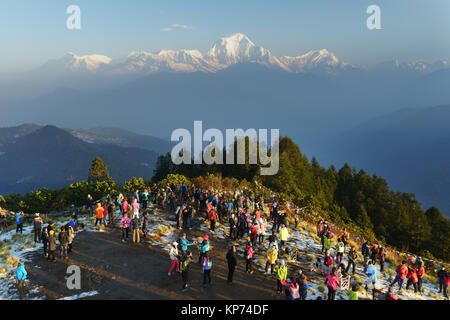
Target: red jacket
x=212, y=215
x=402, y=271
x=447, y=280
x=421, y=271
x=412, y=275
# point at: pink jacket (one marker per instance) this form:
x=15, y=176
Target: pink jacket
x=332, y=281
x=125, y=206
x=125, y=222
x=250, y=251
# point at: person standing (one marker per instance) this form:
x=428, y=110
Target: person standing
x=99, y=211
x=44, y=238
x=232, y=262
x=135, y=229
x=125, y=226
x=184, y=269
x=382, y=258
x=420, y=274
x=37, y=224
x=283, y=235
x=272, y=255
x=63, y=242
x=412, y=279
x=339, y=252
x=184, y=244
x=232, y=221
x=207, y=266
x=19, y=222
x=71, y=235
x=332, y=281
x=212, y=220
x=51, y=246
x=248, y=255
x=281, y=272
x=21, y=275
x=204, y=248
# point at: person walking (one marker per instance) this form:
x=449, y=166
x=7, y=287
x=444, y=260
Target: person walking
x=174, y=258
x=333, y=282
x=402, y=272
x=232, y=262
x=352, y=257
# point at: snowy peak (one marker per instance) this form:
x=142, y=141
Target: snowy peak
x=315, y=60
x=85, y=63
x=225, y=52
x=238, y=48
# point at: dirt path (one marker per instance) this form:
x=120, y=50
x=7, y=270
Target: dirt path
x=139, y=271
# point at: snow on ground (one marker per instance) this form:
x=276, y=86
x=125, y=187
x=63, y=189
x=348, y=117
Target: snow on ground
x=81, y=295
x=161, y=233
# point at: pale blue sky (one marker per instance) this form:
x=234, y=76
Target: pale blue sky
x=32, y=32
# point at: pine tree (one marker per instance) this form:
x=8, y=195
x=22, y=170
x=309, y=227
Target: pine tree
x=98, y=171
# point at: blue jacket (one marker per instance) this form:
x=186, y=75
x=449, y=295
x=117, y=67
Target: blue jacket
x=19, y=219
x=184, y=244
x=371, y=272
x=204, y=246
x=21, y=273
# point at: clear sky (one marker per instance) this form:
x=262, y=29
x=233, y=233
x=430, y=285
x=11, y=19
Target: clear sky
x=32, y=32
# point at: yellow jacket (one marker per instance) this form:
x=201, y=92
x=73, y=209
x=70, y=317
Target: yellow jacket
x=272, y=255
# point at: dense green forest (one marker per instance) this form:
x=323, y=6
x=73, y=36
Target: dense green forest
x=346, y=196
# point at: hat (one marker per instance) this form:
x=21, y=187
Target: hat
x=206, y=237
x=37, y=214
x=51, y=232
x=175, y=243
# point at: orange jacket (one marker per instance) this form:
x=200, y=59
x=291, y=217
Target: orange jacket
x=99, y=212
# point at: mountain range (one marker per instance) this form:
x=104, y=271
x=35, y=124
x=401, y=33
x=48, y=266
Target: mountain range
x=33, y=156
x=325, y=104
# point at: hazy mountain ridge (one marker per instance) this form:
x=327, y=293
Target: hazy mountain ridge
x=53, y=158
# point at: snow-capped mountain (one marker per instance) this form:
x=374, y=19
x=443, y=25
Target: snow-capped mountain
x=225, y=52
x=414, y=66
x=316, y=61
x=238, y=48
x=75, y=63
x=165, y=60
